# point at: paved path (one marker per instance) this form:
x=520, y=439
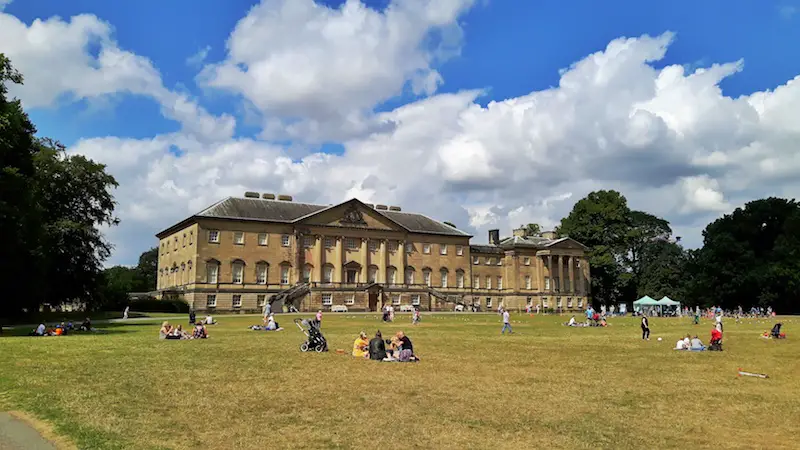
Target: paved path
x=18, y=435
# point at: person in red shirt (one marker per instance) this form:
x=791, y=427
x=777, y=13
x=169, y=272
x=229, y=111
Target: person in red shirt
x=716, y=340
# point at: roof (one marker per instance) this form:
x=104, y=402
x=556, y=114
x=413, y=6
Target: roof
x=265, y=210
x=535, y=242
x=485, y=249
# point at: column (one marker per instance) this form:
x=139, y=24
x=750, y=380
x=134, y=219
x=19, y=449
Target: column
x=319, y=260
x=571, y=260
x=550, y=272
x=362, y=277
x=337, y=260
x=578, y=277
x=382, y=262
x=560, y=262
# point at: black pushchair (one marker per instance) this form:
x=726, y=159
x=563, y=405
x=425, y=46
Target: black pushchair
x=316, y=341
x=776, y=331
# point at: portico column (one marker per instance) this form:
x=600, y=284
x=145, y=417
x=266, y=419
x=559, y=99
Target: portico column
x=571, y=274
x=560, y=273
x=550, y=273
x=381, y=277
x=337, y=261
x=362, y=277
x=316, y=275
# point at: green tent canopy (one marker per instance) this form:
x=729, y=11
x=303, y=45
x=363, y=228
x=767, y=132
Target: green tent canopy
x=666, y=301
x=646, y=301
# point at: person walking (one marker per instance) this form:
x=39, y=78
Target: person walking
x=645, y=328
x=319, y=317
x=125, y=312
x=506, y=323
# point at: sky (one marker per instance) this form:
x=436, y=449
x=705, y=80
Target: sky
x=485, y=113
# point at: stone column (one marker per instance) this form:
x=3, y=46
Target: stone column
x=319, y=260
x=572, y=274
x=338, y=254
x=381, y=278
x=560, y=273
x=362, y=277
x=550, y=272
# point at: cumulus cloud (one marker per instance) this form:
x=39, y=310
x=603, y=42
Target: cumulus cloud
x=198, y=58
x=317, y=72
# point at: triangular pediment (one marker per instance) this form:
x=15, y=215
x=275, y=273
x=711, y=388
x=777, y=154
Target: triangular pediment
x=567, y=244
x=351, y=214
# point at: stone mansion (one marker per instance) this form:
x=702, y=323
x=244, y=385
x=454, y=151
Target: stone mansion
x=241, y=253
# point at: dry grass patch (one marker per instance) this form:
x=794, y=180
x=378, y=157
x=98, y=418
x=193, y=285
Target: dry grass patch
x=546, y=386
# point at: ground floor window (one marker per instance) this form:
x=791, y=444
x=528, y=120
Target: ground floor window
x=558, y=302
x=415, y=300
x=488, y=302
x=327, y=299
x=529, y=301
x=351, y=299
x=569, y=302
x=211, y=301
x=237, y=301
x=395, y=299
x=580, y=303
x=261, y=300
x=544, y=302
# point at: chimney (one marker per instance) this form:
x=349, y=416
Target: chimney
x=250, y=194
x=370, y=205
x=285, y=198
x=520, y=232
x=394, y=208
x=494, y=237
x=381, y=207
x=268, y=196
x=549, y=235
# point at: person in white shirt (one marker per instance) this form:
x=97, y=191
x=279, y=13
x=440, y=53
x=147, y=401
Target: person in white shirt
x=40, y=330
x=506, y=323
x=680, y=345
x=571, y=321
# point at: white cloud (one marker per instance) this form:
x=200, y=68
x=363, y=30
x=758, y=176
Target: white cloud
x=198, y=58
x=327, y=68
x=4, y=3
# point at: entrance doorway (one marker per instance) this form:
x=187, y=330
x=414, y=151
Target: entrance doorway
x=373, y=300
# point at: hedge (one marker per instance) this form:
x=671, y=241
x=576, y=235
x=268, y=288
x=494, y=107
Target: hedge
x=154, y=305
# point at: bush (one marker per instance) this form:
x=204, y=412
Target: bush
x=155, y=305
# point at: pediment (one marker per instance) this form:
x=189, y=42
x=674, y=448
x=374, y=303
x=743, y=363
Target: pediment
x=567, y=244
x=351, y=214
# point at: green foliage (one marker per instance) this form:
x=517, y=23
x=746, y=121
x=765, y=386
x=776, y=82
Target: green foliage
x=119, y=281
x=533, y=229
x=164, y=305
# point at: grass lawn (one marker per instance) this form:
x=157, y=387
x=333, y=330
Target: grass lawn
x=545, y=386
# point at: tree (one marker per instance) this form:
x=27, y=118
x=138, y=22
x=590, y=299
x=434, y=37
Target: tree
x=532, y=229
x=750, y=257
x=662, y=270
x=602, y=221
x=146, y=271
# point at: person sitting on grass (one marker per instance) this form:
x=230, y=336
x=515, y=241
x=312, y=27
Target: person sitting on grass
x=165, y=330
x=406, y=353
x=200, y=331
x=178, y=333
x=716, y=340
x=681, y=345
x=377, y=348
x=209, y=321
x=271, y=324
x=572, y=322
x=696, y=344
x=361, y=346
x=86, y=325
x=41, y=330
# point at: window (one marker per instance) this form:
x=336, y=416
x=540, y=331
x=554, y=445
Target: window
x=211, y=301
x=395, y=299
x=285, y=240
x=526, y=260
x=409, y=248
x=183, y=273
x=350, y=300
x=261, y=273
x=547, y=283
x=184, y=240
x=189, y=269
x=415, y=299
x=460, y=279
x=213, y=236
x=569, y=302
x=212, y=273
x=308, y=241
x=476, y=260
x=443, y=272
x=544, y=302
x=443, y=249
x=162, y=247
x=476, y=283
x=391, y=273
x=351, y=276
x=237, y=301
x=261, y=300
x=373, y=245
x=580, y=303
x=488, y=302
x=351, y=244
x=529, y=301
x=328, y=242
x=327, y=299
x=459, y=250
x=176, y=244
x=426, y=248
x=409, y=276
x=307, y=273
x=238, y=237
x=191, y=237
x=426, y=277
x=327, y=274
x=284, y=274
x=527, y=281
x=500, y=283
x=238, y=270
x=262, y=239
x=558, y=302
x=488, y=282
x=372, y=275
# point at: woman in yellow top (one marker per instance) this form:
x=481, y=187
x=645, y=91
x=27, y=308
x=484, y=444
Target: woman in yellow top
x=361, y=346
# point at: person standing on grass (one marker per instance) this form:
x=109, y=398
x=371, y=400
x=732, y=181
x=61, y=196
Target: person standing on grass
x=319, y=317
x=125, y=312
x=506, y=323
x=645, y=328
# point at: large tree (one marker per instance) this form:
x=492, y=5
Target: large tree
x=750, y=257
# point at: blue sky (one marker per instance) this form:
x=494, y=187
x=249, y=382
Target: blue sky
x=509, y=48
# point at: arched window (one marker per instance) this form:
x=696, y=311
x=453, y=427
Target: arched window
x=307, y=269
x=410, y=275
x=460, y=279
x=426, y=276
x=262, y=270
x=285, y=272
x=183, y=273
x=372, y=274
x=237, y=271
x=444, y=272
x=327, y=273
x=391, y=275
x=212, y=271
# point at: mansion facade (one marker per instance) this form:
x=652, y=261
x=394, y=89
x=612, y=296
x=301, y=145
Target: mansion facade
x=242, y=253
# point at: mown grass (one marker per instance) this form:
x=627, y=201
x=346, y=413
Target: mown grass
x=546, y=386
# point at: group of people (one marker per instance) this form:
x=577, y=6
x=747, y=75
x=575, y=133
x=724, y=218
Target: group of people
x=62, y=329
x=168, y=331
x=696, y=345
x=400, y=348
x=269, y=324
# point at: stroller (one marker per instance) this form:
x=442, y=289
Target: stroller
x=776, y=332
x=316, y=341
